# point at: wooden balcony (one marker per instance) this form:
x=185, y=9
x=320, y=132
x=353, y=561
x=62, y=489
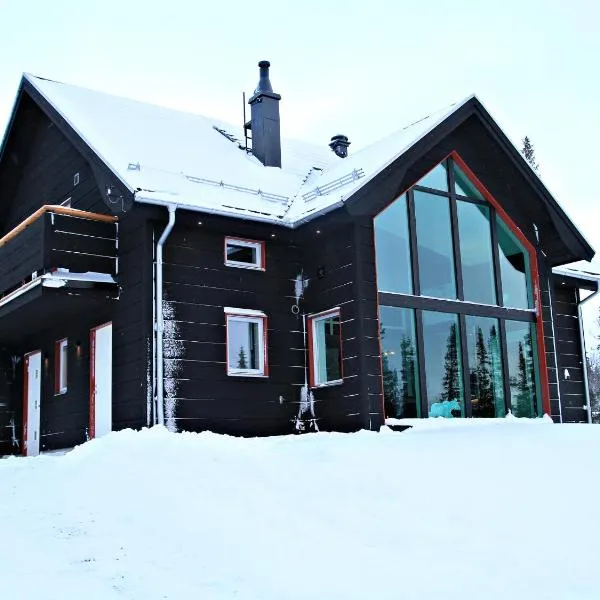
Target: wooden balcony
x=56, y=237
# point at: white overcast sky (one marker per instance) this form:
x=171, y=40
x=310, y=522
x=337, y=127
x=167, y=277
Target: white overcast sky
x=362, y=68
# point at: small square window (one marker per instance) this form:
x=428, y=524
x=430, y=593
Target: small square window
x=244, y=254
x=246, y=342
x=325, y=347
x=60, y=366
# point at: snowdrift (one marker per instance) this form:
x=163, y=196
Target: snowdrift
x=505, y=510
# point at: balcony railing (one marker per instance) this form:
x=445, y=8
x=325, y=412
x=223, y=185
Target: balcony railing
x=56, y=237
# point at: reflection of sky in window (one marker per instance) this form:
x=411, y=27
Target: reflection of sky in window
x=242, y=335
x=434, y=244
x=393, y=250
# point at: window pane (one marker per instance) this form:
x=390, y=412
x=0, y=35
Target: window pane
x=243, y=344
x=485, y=367
x=443, y=364
x=434, y=244
x=520, y=344
x=463, y=185
x=514, y=268
x=399, y=362
x=436, y=179
x=328, y=352
x=63, y=366
x=239, y=253
x=476, y=252
x=393, y=248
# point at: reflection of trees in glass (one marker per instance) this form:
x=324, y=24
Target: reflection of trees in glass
x=399, y=391
x=481, y=380
x=242, y=363
x=452, y=382
x=496, y=371
x=524, y=406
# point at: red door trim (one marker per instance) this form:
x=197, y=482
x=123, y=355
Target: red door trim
x=92, y=420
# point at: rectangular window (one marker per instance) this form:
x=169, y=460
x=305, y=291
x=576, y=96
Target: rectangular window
x=60, y=366
x=434, y=246
x=244, y=254
x=246, y=342
x=522, y=361
x=443, y=364
x=399, y=362
x=325, y=348
x=486, y=379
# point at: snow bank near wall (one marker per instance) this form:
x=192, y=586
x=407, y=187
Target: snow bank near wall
x=490, y=512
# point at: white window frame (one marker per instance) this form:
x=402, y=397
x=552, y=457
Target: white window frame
x=248, y=316
x=259, y=246
x=61, y=366
x=313, y=320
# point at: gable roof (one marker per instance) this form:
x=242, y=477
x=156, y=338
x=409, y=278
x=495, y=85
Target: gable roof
x=168, y=156
x=164, y=156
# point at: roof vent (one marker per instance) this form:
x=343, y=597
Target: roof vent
x=264, y=120
x=339, y=144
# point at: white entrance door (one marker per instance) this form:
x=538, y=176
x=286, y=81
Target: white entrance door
x=31, y=403
x=101, y=380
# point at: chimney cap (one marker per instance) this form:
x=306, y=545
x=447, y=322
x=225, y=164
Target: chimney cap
x=339, y=144
x=264, y=87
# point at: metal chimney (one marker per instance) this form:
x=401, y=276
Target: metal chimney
x=264, y=120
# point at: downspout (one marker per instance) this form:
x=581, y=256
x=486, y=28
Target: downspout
x=583, y=351
x=160, y=321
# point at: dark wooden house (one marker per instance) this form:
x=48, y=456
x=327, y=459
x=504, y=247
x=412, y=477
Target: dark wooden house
x=162, y=267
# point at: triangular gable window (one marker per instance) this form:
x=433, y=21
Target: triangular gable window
x=463, y=185
x=436, y=179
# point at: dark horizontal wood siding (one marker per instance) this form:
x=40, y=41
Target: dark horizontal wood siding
x=132, y=323
x=199, y=394
x=42, y=168
x=338, y=262
x=548, y=308
x=569, y=354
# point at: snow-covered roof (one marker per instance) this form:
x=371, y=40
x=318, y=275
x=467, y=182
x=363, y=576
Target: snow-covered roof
x=195, y=162
x=586, y=270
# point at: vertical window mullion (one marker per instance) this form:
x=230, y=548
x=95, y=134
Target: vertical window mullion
x=496, y=258
x=412, y=236
x=424, y=407
x=505, y=373
x=455, y=235
x=468, y=411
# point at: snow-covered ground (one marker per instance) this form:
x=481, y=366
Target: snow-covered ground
x=506, y=510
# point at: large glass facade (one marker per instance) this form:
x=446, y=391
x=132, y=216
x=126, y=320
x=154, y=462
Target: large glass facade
x=458, y=294
x=399, y=362
x=443, y=364
x=434, y=245
x=486, y=379
x=394, y=272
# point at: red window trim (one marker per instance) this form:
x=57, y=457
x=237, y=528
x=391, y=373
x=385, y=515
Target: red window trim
x=535, y=277
x=263, y=254
x=311, y=352
x=58, y=390
x=265, y=325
